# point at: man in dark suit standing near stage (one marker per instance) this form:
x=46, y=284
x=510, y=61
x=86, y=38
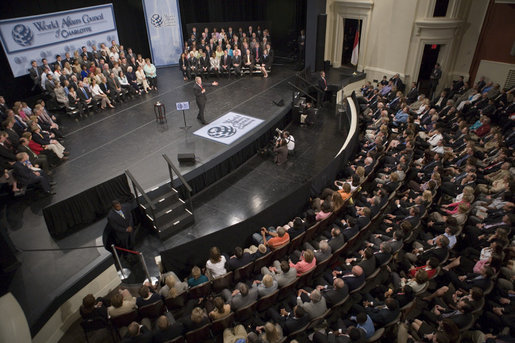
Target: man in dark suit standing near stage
x=322, y=84
x=200, y=97
x=120, y=220
x=35, y=74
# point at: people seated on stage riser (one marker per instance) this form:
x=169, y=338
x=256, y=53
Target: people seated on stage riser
x=218, y=53
x=109, y=75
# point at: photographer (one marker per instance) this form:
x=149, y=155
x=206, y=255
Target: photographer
x=290, y=141
x=281, y=151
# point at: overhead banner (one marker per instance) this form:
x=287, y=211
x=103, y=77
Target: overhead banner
x=228, y=128
x=164, y=31
x=44, y=36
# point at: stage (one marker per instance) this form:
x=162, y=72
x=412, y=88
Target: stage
x=128, y=137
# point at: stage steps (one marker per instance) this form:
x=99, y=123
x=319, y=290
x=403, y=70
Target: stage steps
x=170, y=214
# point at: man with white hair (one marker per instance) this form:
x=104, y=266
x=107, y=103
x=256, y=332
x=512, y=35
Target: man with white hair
x=200, y=97
x=316, y=306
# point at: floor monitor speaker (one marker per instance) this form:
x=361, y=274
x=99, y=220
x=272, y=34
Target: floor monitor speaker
x=186, y=157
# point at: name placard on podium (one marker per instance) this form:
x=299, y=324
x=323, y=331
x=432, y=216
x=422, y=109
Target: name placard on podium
x=181, y=106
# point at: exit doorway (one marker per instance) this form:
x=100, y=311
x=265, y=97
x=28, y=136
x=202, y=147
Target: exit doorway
x=429, y=59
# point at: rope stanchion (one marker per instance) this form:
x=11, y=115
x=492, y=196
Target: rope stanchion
x=123, y=272
x=140, y=254
x=126, y=250
x=142, y=259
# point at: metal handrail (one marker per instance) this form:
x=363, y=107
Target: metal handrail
x=171, y=169
x=310, y=83
x=301, y=90
x=137, y=187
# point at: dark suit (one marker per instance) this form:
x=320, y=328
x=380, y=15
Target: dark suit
x=145, y=336
x=290, y=323
x=84, y=94
x=26, y=176
x=248, y=62
x=258, y=54
x=35, y=75
x=382, y=257
x=183, y=65
x=353, y=281
x=383, y=316
x=236, y=64
x=333, y=296
x=13, y=137
x=76, y=102
x=201, y=99
x=172, y=331
x=204, y=66
x=120, y=224
x=320, y=337
x=336, y=242
x=225, y=64
x=472, y=280
x=6, y=156
x=350, y=232
x=439, y=252
x=368, y=265
x=193, y=66
x=322, y=96
x=40, y=160
x=50, y=86
x=412, y=95
x=88, y=55
x=115, y=87
x=234, y=262
x=363, y=221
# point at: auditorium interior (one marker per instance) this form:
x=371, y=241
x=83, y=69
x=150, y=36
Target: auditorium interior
x=257, y=171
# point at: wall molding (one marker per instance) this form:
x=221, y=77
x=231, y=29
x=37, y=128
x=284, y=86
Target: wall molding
x=386, y=72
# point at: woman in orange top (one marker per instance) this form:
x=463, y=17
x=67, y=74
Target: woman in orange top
x=345, y=192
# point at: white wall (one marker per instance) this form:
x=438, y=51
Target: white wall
x=471, y=31
x=388, y=43
x=394, y=33
x=495, y=71
x=68, y=313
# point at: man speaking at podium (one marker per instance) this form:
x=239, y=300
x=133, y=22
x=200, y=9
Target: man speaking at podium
x=200, y=97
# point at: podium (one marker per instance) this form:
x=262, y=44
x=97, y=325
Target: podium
x=183, y=106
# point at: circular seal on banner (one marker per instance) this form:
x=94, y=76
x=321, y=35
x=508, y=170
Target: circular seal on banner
x=22, y=35
x=156, y=20
x=221, y=131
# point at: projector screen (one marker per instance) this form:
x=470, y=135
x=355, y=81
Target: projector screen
x=46, y=35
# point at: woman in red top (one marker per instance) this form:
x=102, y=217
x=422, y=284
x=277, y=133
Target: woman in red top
x=430, y=268
x=38, y=149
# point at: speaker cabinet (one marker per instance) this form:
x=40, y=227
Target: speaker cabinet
x=320, y=44
x=186, y=158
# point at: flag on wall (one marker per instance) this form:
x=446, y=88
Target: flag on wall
x=355, y=49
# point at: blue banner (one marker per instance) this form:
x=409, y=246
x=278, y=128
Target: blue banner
x=164, y=31
x=44, y=36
